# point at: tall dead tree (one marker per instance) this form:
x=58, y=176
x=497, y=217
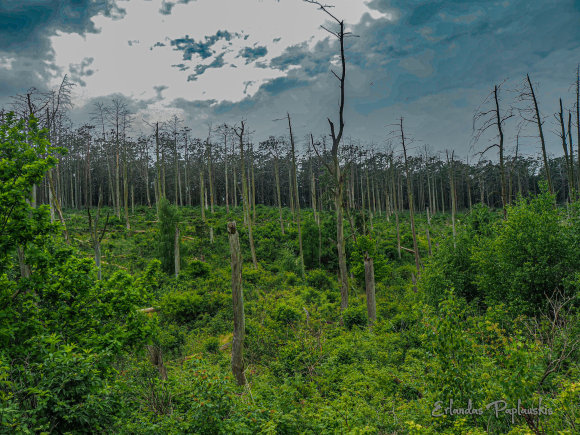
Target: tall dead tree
x=578, y=119
x=297, y=196
x=451, y=164
x=334, y=168
x=238, y=306
x=569, y=158
x=488, y=116
x=410, y=197
x=370, y=288
x=240, y=131
x=531, y=113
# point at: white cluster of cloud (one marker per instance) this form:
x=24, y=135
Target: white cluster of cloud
x=133, y=55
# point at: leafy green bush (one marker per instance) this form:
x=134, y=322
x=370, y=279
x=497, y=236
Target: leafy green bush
x=355, y=316
x=184, y=308
x=319, y=279
x=168, y=218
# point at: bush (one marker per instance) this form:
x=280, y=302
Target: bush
x=212, y=345
x=168, y=218
x=355, y=316
x=185, y=308
x=319, y=279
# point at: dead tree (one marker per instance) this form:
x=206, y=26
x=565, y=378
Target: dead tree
x=370, y=288
x=239, y=131
x=531, y=113
x=238, y=306
x=568, y=157
x=410, y=198
x=297, y=196
x=334, y=168
x=176, y=251
x=451, y=164
x=488, y=116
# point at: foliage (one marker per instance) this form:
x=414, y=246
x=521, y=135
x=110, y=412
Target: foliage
x=168, y=219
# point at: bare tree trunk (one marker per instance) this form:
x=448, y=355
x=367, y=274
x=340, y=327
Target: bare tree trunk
x=210, y=174
x=569, y=159
x=253, y=184
x=297, y=196
x=410, y=195
x=370, y=288
x=238, y=306
x=578, y=120
x=340, y=238
x=277, y=177
x=291, y=193
x=245, y=196
x=202, y=193
x=158, y=168
x=226, y=172
x=541, y=133
x=396, y=209
x=453, y=199
x=501, y=158
x=572, y=170
x=176, y=251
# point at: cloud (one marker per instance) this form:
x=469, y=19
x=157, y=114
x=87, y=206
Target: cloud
x=253, y=53
x=428, y=60
x=190, y=47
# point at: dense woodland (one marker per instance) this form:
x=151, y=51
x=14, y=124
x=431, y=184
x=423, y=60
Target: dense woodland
x=169, y=281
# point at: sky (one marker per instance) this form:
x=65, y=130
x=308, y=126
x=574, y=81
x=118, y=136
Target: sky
x=433, y=62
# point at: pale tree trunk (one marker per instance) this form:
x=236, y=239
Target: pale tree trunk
x=238, y=306
x=578, y=120
x=370, y=288
x=541, y=134
x=235, y=181
x=569, y=159
x=176, y=248
x=226, y=173
x=572, y=170
x=291, y=193
x=452, y=187
x=501, y=154
x=278, y=196
x=253, y=183
x=245, y=198
x=410, y=196
x=202, y=193
x=297, y=196
x=158, y=168
x=396, y=210
x=125, y=186
x=340, y=237
x=210, y=176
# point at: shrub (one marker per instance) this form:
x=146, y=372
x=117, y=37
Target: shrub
x=355, y=316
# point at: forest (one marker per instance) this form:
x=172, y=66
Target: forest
x=165, y=281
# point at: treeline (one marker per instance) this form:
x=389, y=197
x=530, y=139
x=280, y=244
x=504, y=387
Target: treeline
x=106, y=159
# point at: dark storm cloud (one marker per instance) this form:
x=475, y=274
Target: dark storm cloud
x=26, y=25
x=434, y=62
x=25, y=29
